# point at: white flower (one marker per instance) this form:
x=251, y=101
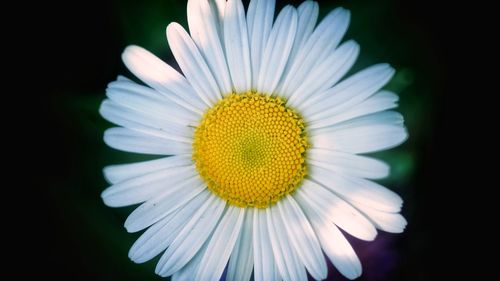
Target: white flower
x=262, y=138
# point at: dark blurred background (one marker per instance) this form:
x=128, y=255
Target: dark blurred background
x=81, y=239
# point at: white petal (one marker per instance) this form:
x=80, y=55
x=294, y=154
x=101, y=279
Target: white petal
x=368, y=133
x=219, y=9
x=307, y=16
x=204, y=26
x=217, y=6
x=265, y=266
x=381, y=101
x=302, y=236
x=326, y=73
x=159, y=236
x=118, y=173
x=358, y=190
x=308, y=13
x=362, y=139
x=142, y=188
x=277, y=50
x=321, y=43
x=141, y=142
x=142, y=121
x=336, y=246
x=192, y=64
x=132, y=119
x=287, y=261
x=158, y=207
x=187, y=272
x=193, y=15
x=241, y=262
x=312, y=196
x=162, y=77
x=347, y=163
x=390, y=118
x=237, y=47
x=154, y=240
x=347, y=93
x=221, y=245
x=191, y=238
x=390, y=222
x=123, y=78
x=259, y=22
x=149, y=101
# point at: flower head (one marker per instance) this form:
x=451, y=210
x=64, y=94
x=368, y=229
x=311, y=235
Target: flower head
x=261, y=137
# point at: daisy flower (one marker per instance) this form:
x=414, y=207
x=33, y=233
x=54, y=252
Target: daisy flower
x=261, y=137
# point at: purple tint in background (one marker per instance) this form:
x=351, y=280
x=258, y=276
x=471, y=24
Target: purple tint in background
x=379, y=258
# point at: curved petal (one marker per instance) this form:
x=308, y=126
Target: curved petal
x=147, y=142
x=260, y=17
x=386, y=221
x=265, y=266
x=347, y=163
x=241, y=262
x=381, y=101
x=277, y=49
x=142, y=121
x=336, y=246
x=219, y=8
x=322, y=42
x=287, y=261
x=358, y=190
x=326, y=73
x=362, y=139
x=187, y=272
x=142, y=188
x=308, y=13
x=121, y=172
x=191, y=238
x=146, y=100
x=237, y=46
x=384, y=118
x=205, y=31
x=162, y=77
x=324, y=202
x=221, y=245
x=193, y=64
x=160, y=206
x=160, y=235
x=302, y=237
x=347, y=93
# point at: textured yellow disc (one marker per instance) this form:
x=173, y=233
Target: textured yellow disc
x=250, y=149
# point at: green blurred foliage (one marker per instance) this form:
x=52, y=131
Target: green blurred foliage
x=143, y=23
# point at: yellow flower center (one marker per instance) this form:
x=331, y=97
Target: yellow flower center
x=250, y=149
